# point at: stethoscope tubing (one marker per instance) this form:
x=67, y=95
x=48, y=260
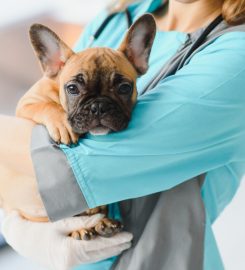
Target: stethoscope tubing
x=161, y=74
x=107, y=20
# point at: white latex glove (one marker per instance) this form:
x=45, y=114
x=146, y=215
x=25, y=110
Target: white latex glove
x=49, y=245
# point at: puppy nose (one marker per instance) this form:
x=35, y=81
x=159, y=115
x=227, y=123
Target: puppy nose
x=98, y=108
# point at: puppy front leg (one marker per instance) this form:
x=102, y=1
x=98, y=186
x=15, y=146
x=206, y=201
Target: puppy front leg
x=58, y=126
x=42, y=105
x=51, y=115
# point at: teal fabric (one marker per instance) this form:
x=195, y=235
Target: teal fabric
x=103, y=265
x=191, y=123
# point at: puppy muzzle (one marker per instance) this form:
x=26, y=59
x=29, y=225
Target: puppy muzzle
x=98, y=116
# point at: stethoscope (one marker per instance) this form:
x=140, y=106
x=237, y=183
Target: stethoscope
x=162, y=74
x=196, y=44
x=107, y=20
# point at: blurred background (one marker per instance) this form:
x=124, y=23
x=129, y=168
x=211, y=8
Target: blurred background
x=19, y=70
x=18, y=64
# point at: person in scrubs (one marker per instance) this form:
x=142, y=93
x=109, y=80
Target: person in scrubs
x=168, y=176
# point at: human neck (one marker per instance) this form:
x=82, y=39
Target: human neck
x=187, y=16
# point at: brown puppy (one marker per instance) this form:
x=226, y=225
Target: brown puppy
x=91, y=91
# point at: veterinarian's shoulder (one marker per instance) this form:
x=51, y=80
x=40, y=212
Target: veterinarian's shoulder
x=223, y=54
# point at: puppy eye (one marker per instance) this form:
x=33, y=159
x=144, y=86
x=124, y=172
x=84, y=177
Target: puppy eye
x=72, y=89
x=125, y=88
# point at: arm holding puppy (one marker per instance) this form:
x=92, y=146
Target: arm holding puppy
x=24, y=235
x=54, y=250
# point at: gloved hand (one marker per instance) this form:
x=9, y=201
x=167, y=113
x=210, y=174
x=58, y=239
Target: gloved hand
x=49, y=244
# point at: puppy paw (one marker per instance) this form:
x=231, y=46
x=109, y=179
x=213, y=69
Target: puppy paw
x=108, y=227
x=84, y=234
x=93, y=211
x=60, y=130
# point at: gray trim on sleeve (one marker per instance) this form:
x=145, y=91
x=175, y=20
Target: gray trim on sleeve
x=59, y=190
x=168, y=229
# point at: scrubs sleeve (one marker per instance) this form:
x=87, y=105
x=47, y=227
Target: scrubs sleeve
x=191, y=123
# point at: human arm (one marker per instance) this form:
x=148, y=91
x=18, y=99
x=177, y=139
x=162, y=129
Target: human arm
x=18, y=190
x=189, y=124
x=55, y=250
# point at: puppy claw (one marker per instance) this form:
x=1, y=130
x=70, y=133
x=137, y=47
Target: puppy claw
x=87, y=234
x=108, y=227
x=74, y=137
x=84, y=234
x=76, y=235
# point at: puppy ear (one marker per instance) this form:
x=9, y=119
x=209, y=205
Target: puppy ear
x=50, y=49
x=138, y=42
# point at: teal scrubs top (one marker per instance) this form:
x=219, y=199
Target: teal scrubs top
x=190, y=123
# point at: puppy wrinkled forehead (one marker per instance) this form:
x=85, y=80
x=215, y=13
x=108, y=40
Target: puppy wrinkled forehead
x=105, y=61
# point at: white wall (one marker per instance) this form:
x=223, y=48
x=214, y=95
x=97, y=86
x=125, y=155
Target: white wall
x=230, y=232
x=76, y=11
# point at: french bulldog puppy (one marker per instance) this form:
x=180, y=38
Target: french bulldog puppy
x=91, y=91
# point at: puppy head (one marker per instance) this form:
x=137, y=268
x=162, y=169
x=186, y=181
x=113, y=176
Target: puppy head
x=97, y=85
